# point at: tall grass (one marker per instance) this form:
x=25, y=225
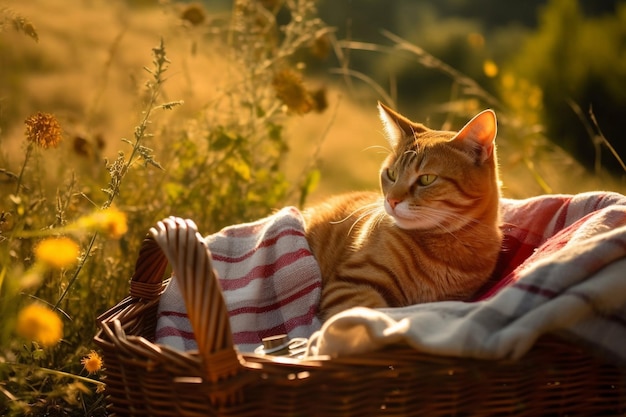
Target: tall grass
x=69, y=237
x=531, y=163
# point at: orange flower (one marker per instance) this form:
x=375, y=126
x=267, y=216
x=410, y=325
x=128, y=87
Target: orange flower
x=43, y=130
x=92, y=363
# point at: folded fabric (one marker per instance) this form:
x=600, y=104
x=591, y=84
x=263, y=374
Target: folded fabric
x=269, y=278
x=562, y=271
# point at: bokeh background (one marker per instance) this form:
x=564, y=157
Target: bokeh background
x=544, y=65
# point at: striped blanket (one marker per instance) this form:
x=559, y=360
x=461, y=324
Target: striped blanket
x=562, y=270
x=270, y=281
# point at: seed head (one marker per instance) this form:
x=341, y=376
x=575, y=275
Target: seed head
x=194, y=14
x=43, y=130
x=290, y=90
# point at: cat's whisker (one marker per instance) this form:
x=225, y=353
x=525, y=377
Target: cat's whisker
x=435, y=217
x=349, y=215
x=438, y=214
x=366, y=210
x=374, y=208
x=383, y=148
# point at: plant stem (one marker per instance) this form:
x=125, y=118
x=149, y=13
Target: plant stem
x=81, y=263
x=29, y=150
x=140, y=131
x=160, y=62
x=56, y=373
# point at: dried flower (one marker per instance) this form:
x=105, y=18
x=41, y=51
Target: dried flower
x=321, y=47
x=40, y=324
x=319, y=99
x=291, y=91
x=92, y=363
x=57, y=252
x=43, y=130
x=81, y=146
x=111, y=222
x=194, y=14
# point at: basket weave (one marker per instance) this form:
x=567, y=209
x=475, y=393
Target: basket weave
x=146, y=379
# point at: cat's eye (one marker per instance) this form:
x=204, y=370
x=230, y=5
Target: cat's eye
x=392, y=174
x=426, y=179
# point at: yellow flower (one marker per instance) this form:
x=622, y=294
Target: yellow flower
x=490, y=68
x=40, y=324
x=290, y=90
x=111, y=222
x=92, y=363
x=43, y=130
x=57, y=252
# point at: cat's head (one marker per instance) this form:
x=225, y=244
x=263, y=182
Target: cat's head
x=440, y=180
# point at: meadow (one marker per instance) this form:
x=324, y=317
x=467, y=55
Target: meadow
x=122, y=113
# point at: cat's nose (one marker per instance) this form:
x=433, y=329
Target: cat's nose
x=393, y=202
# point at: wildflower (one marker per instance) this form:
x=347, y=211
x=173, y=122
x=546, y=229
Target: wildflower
x=81, y=146
x=111, y=222
x=194, y=14
x=290, y=90
x=321, y=47
x=43, y=130
x=490, y=68
x=57, y=252
x=319, y=99
x=92, y=363
x=40, y=324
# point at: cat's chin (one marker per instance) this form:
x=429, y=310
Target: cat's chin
x=403, y=224
x=407, y=224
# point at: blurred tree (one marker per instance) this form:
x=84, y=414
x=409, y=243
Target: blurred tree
x=574, y=51
x=580, y=61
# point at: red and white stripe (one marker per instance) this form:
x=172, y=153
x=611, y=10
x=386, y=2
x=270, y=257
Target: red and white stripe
x=269, y=278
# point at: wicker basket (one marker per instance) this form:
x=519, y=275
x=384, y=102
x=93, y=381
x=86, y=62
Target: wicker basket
x=146, y=379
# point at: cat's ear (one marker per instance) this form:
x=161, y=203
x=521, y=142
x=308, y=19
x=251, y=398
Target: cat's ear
x=396, y=126
x=480, y=134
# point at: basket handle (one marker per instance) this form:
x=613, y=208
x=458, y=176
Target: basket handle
x=178, y=240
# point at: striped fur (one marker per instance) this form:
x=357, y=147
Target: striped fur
x=433, y=234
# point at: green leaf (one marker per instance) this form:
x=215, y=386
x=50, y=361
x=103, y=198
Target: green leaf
x=310, y=184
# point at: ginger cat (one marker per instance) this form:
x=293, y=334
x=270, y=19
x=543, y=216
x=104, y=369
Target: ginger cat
x=434, y=232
